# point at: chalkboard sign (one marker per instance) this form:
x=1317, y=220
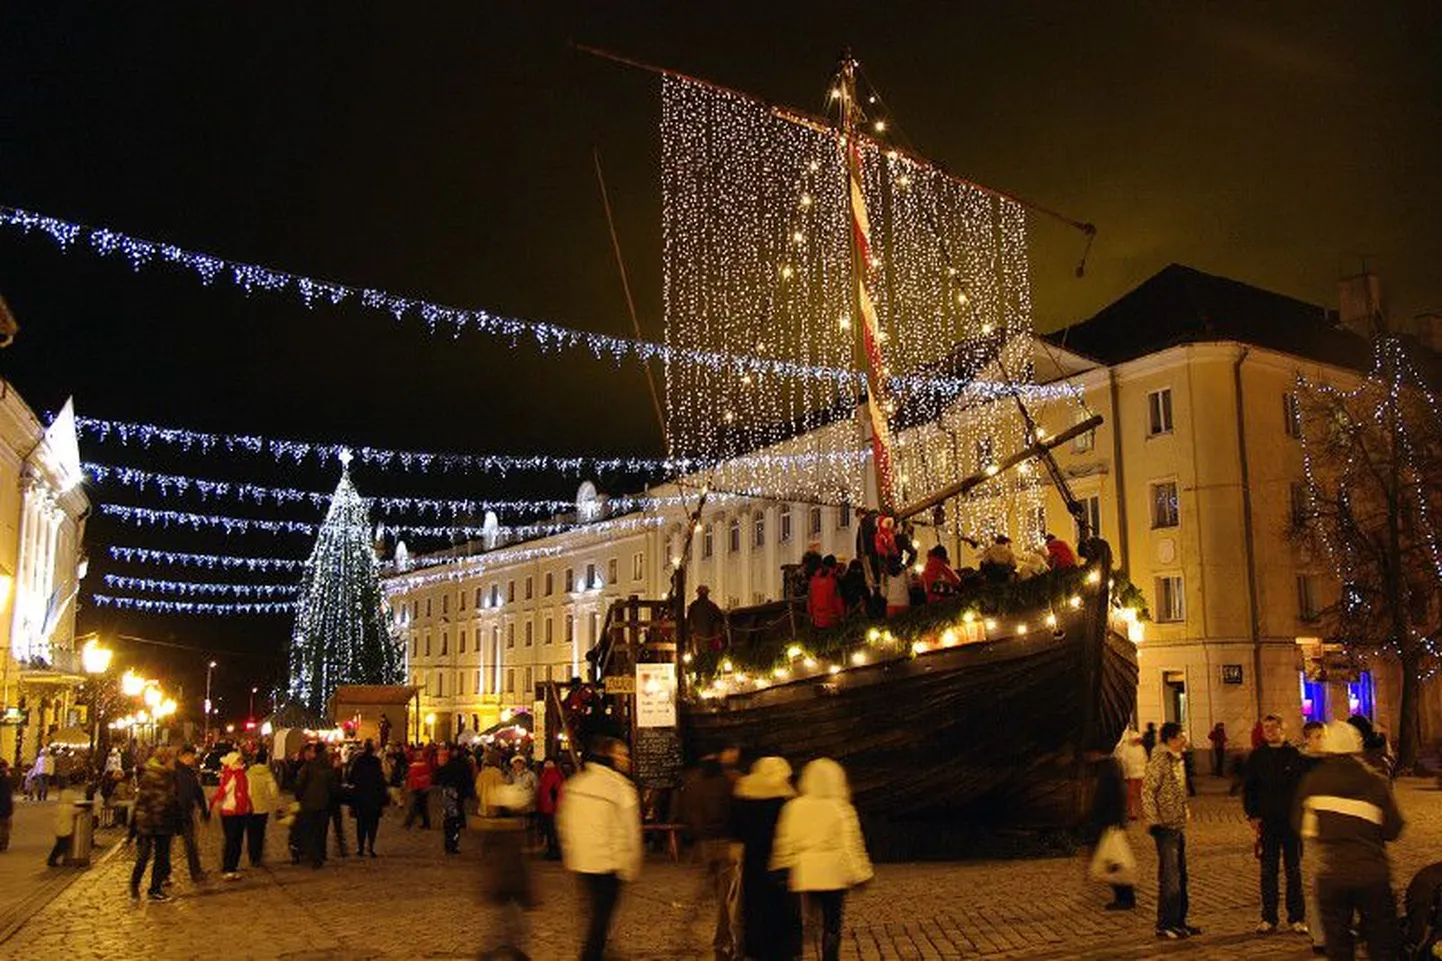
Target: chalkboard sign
x=656, y=757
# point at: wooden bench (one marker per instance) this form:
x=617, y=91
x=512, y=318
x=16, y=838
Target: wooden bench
x=673, y=837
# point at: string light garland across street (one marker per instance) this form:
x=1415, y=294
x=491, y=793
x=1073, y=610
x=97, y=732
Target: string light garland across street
x=150, y=606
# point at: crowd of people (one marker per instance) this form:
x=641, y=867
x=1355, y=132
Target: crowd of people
x=1322, y=814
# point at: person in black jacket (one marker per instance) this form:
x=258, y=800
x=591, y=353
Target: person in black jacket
x=368, y=796
x=770, y=913
x=1349, y=810
x=1273, y=772
x=457, y=784
x=316, y=786
x=1109, y=810
x=191, y=798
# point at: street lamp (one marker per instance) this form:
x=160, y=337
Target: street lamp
x=96, y=661
x=208, y=668
x=253, y=692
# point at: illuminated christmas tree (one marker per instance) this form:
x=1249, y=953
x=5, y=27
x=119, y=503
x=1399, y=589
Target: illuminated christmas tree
x=342, y=632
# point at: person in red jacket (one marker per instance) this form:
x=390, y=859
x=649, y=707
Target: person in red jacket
x=937, y=577
x=548, y=795
x=823, y=596
x=1059, y=555
x=418, y=784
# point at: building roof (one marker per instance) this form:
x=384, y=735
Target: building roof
x=1183, y=305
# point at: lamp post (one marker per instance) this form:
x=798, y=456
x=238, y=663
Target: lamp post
x=251, y=715
x=96, y=661
x=208, y=669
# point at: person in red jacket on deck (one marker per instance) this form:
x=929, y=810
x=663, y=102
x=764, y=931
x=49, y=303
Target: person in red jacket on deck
x=548, y=795
x=823, y=595
x=1059, y=555
x=937, y=577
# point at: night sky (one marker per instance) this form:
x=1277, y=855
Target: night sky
x=444, y=151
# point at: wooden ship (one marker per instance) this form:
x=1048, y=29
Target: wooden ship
x=984, y=718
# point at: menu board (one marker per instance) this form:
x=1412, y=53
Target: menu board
x=655, y=695
x=656, y=757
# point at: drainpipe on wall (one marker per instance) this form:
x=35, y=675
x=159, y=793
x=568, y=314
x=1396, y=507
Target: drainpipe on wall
x=1122, y=534
x=1247, y=539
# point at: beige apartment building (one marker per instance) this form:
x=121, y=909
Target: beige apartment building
x=1193, y=477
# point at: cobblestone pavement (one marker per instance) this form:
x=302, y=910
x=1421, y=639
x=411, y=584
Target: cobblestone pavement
x=412, y=902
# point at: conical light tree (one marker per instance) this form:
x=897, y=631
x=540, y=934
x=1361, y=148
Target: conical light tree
x=342, y=634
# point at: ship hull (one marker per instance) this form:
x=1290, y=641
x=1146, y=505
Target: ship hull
x=990, y=733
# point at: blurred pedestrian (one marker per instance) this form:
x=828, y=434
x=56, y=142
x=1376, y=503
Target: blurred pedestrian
x=505, y=877
x=487, y=780
x=65, y=814
x=548, y=796
x=1218, y=736
x=368, y=797
x=418, y=788
x=599, y=821
x=1149, y=738
x=232, y=800
x=1312, y=755
x=1273, y=772
x=706, y=811
x=1349, y=810
x=1132, y=757
x=340, y=800
x=157, y=818
x=264, y=801
x=818, y=841
x=770, y=913
x=1164, y=805
x=456, y=784
x=1112, y=860
x=316, y=787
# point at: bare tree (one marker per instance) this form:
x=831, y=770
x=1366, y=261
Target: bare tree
x=1373, y=456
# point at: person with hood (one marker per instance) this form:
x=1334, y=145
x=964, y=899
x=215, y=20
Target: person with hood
x=368, y=795
x=457, y=786
x=706, y=811
x=264, y=800
x=823, y=596
x=1348, y=810
x=232, y=799
x=548, y=796
x=770, y=914
x=819, y=843
x=316, y=788
x=191, y=798
x=1273, y=772
x=157, y=819
x=1132, y=756
x=599, y=821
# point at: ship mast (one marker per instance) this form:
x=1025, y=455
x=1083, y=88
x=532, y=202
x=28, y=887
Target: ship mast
x=872, y=411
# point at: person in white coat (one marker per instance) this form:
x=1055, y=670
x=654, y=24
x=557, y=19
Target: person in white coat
x=264, y=800
x=819, y=844
x=599, y=821
x=1132, y=756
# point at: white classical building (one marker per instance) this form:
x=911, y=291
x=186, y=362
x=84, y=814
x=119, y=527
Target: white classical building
x=1193, y=477
x=43, y=510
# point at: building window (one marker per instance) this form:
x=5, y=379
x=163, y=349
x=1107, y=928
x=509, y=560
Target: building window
x=415, y=607
x=530, y=587
x=510, y=680
x=1301, y=505
x=1291, y=414
x=529, y=685
x=591, y=576
x=784, y=534
x=1170, y=604
x=550, y=583
x=638, y=566
x=480, y=596
x=758, y=529
x=733, y=536
x=460, y=600
x=1165, y=512
x=530, y=634
x=843, y=517
x=613, y=575
x=1307, y=597
x=1082, y=443
x=495, y=595
x=428, y=607
x=595, y=627
x=570, y=628
x=428, y=645
x=445, y=643
x=511, y=635
x=463, y=642
x=1159, y=412
x=1092, y=506
x=813, y=521
x=445, y=603
x=550, y=634
x=570, y=580
x=708, y=541
x=510, y=592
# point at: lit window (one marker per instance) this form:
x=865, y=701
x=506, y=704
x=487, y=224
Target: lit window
x=1159, y=412
x=1165, y=511
x=1291, y=415
x=638, y=566
x=733, y=536
x=1170, y=604
x=591, y=576
x=843, y=517
x=510, y=592
x=813, y=523
x=612, y=572
x=530, y=587
x=1082, y=443
x=758, y=529
x=708, y=541
x=570, y=580
x=550, y=634
x=550, y=583
x=785, y=532
x=1092, y=506
x=530, y=634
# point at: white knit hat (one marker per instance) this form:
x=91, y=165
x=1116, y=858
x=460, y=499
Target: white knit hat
x=1341, y=738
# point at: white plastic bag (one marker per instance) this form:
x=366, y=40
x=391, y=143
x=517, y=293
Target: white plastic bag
x=1112, y=861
